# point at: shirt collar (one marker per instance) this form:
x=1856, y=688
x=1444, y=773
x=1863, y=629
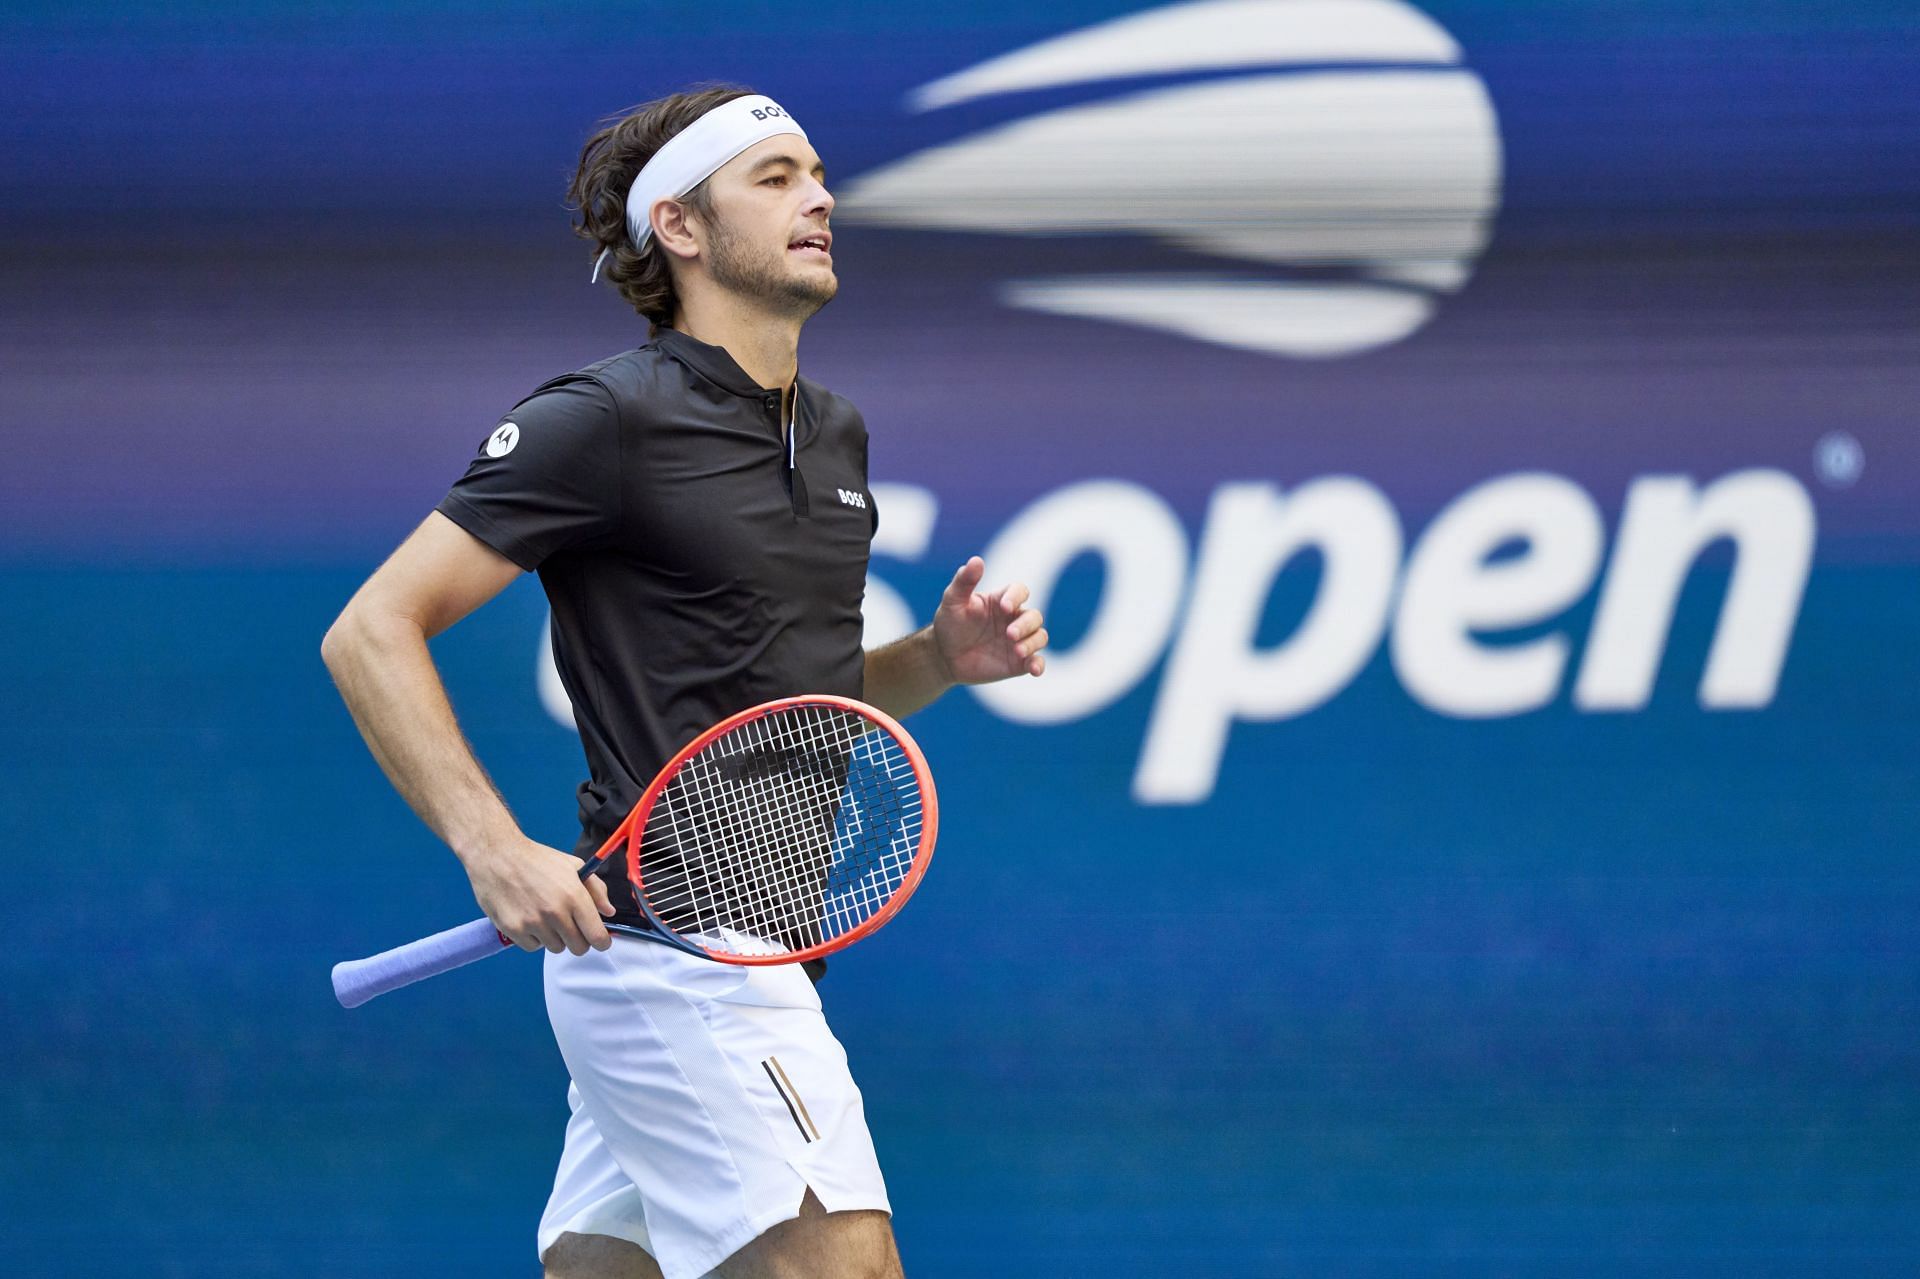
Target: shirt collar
x=710, y=362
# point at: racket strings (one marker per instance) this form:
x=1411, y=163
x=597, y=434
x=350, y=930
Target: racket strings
x=786, y=833
x=774, y=874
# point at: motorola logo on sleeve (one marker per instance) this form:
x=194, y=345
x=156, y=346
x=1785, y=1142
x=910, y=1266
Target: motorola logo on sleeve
x=1331, y=166
x=504, y=437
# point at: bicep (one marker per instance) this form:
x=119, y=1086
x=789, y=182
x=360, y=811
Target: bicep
x=437, y=576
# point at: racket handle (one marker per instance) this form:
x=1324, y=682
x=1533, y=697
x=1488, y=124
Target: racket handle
x=355, y=981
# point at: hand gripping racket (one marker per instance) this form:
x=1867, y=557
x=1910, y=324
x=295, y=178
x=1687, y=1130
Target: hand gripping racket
x=779, y=835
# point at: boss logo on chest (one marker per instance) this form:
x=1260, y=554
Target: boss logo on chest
x=849, y=497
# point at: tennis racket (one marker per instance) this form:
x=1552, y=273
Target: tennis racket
x=781, y=834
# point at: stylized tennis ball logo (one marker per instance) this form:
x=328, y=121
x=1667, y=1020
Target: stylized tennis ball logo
x=1336, y=151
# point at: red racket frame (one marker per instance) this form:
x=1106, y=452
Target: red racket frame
x=637, y=819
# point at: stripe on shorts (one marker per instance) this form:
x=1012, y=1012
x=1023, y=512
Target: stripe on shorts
x=791, y=1095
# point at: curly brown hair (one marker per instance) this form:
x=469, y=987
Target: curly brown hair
x=609, y=163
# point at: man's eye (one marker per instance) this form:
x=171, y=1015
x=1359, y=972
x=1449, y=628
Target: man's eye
x=776, y=180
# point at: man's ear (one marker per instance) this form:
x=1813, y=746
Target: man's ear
x=675, y=229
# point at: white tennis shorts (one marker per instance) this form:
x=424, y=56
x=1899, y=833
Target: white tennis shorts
x=707, y=1098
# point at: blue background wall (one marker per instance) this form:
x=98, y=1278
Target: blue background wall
x=1542, y=994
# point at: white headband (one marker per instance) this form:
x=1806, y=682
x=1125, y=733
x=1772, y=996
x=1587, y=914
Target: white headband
x=692, y=155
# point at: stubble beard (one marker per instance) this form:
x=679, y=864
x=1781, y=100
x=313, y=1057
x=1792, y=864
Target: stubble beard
x=738, y=268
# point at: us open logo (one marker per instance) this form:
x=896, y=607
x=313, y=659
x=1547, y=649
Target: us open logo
x=1337, y=154
x=1308, y=179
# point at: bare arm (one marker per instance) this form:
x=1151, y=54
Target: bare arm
x=377, y=653
x=907, y=674
x=975, y=638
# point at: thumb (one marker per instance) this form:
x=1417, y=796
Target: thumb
x=597, y=889
x=968, y=577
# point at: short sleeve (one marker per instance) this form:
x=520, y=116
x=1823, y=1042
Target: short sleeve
x=547, y=478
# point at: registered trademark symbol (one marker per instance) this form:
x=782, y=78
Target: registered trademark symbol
x=1838, y=459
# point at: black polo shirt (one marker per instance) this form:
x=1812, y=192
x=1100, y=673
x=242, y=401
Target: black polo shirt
x=698, y=562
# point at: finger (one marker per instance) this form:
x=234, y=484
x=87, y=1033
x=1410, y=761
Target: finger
x=1038, y=665
x=1032, y=644
x=597, y=887
x=960, y=589
x=586, y=922
x=1024, y=625
x=1013, y=597
x=525, y=941
x=564, y=923
x=554, y=927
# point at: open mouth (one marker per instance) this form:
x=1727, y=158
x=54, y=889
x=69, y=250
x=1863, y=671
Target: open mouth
x=813, y=244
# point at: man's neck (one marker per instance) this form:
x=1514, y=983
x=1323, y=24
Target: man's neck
x=765, y=347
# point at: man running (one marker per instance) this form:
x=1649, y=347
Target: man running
x=700, y=517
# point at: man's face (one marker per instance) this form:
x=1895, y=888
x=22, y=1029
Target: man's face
x=768, y=238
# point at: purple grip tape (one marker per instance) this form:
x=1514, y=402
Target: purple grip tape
x=358, y=980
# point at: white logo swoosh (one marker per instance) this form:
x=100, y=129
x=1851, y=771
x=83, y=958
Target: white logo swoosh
x=1375, y=185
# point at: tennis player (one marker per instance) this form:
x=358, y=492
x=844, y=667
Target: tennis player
x=700, y=517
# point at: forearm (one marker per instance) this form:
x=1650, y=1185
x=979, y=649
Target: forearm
x=907, y=674
x=384, y=672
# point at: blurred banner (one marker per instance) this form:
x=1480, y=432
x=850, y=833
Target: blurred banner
x=1464, y=451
